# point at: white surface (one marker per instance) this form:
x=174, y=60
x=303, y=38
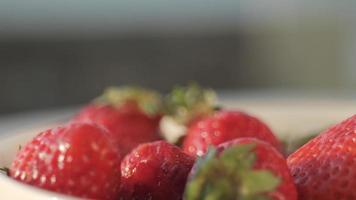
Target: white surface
x=289, y=116
x=14, y=123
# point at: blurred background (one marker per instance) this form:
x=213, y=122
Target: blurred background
x=63, y=53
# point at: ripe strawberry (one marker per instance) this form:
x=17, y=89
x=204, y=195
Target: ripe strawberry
x=224, y=126
x=245, y=168
x=77, y=159
x=130, y=114
x=325, y=167
x=156, y=170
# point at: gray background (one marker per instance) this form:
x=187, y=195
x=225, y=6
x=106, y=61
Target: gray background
x=64, y=53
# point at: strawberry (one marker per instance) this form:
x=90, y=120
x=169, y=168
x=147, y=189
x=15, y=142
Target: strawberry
x=156, y=170
x=224, y=126
x=76, y=159
x=183, y=106
x=245, y=168
x=325, y=167
x=130, y=114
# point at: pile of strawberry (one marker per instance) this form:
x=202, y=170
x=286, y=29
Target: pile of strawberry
x=131, y=144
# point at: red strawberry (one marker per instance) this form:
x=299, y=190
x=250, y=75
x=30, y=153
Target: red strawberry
x=156, y=171
x=224, y=126
x=131, y=115
x=77, y=159
x=325, y=167
x=245, y=168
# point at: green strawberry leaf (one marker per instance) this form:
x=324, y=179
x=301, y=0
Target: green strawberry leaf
x=229, y=175
x=260, y=181
x=184, y=103
x=149, y=101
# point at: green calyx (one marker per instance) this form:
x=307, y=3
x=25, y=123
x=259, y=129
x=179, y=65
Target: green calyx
x=230, y=176
x=185, y=103
x=148, y=101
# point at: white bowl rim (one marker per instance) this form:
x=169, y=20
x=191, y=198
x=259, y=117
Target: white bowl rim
x=32, y=191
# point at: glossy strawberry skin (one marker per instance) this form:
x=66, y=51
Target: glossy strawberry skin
x=325, y=167
x=222, y=127
x=76, y=159
x=268, y=158
x=127, y=124
x=156, y=170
